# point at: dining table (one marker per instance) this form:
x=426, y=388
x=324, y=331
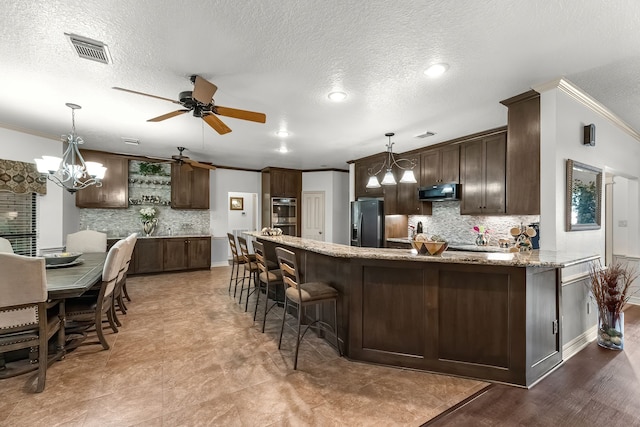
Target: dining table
x=71, y=281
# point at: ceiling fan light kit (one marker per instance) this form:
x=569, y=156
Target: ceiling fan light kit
x=71, y=172
x=407, y=177
x=200, y=102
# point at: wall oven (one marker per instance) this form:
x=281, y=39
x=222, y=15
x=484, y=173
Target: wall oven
x=284, y=215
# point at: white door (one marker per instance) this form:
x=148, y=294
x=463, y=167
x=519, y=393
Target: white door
x=313, y=215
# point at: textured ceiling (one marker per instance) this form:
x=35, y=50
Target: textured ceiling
x=283, y=57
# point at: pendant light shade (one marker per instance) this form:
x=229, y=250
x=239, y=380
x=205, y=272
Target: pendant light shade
x=373, y=182
x=388, y=179
x=408, y=177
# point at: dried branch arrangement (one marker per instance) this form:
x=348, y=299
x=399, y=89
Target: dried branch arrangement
x=610, y=287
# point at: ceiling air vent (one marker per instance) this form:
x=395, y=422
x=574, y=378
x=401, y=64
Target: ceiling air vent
x=89, y=49
x=425, y=135
x=130, y=141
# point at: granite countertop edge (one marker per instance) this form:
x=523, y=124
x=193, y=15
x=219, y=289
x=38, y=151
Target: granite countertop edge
x=175, y=236
x=535, y=258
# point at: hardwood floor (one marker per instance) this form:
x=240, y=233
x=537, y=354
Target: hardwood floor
x=596, y=387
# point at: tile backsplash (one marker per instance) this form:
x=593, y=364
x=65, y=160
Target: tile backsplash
x=147, y=191
x=447, y=222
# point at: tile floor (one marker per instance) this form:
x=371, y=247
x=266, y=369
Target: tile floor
x=188, y=355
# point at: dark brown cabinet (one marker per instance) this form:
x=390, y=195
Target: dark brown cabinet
x=186, y=253
x=523, y=154
x=285, y=182
x=159, y=254
x=483, y=175
x=277, y=182
x=114, y=192
x=148, y=257
x=189, y=187
x=441, y=165
x=362, y=168
x=407, y=195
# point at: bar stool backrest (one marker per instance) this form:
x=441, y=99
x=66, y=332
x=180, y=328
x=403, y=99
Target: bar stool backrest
x=232, y=244
x=244, y=250
x=258, y=248
x=289, y=269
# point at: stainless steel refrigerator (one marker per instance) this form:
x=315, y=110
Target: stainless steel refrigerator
x=367, y=223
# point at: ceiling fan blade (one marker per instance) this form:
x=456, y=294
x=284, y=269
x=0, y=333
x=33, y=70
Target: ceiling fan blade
x=216, y=124
x=145, y=94
x=167, y=116
x=241, y=114
x=203, y=90
x=200, y=165
x=185, y=166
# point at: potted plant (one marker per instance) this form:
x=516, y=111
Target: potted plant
x=610, y=288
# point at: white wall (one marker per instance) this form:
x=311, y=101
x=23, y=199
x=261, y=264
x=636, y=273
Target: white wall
x=336, y=202
x=562, y=120
x=223, y=182
x=26, y=147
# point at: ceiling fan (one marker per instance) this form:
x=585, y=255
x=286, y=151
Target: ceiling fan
x=200, y=101
x=183, y=161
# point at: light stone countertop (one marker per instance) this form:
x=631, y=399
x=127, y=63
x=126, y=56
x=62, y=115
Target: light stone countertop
x=535, y=258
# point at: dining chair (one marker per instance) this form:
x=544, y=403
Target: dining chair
x=5, y=246
x=84, y=313
x=24, y=320
x=250, y=272
x=268, y=280
x=86, y=241
x=118, y=292
x=133, y=238
x=302, y=295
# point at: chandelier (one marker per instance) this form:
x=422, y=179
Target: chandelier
x=389, y=163
x=71, y=172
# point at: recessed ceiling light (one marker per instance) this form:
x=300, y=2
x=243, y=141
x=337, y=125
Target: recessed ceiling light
x=337, y=96
x=282, y=133
x=436, y=70
x=283, y=150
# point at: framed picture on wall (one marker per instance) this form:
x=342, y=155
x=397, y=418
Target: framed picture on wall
x=236, y=203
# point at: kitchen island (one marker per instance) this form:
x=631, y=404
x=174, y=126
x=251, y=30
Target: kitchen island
x=490, y=316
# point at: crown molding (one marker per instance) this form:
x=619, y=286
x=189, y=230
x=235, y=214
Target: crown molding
x=581, y=96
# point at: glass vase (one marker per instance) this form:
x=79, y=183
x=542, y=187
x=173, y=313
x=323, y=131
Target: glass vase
x=481, y=240
x=149, y=226
x=611, y=330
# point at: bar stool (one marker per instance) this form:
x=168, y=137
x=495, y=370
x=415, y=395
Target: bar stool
x=237, y=260
x=272, y=280
x=250, y=273
x=302, y=295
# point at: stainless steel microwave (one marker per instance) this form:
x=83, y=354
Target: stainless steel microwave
x=439, y=193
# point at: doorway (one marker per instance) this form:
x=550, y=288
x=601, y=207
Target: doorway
x=313, y=215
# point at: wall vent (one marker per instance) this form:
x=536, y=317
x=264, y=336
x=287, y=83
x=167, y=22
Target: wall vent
x=425, y=135
x=89, y=49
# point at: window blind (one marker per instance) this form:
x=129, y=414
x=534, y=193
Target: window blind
x=18, y=221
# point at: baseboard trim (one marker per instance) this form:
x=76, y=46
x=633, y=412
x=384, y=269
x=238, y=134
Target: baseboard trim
x=572, y=348
x=220, y=264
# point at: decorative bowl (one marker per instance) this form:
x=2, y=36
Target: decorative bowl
x=61, y=258
x=429, y=247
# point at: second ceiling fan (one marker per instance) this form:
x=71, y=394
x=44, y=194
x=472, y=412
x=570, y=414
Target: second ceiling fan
x=200, y=101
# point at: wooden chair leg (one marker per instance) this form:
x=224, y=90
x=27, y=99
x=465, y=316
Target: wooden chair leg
x=100, y=333
x=124, y=290
x=121, y=305
x=115, y=316
x=112, y=323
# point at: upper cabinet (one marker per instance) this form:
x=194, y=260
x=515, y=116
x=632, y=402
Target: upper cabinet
x=362, y=168
x=285, y=182
x=483, y=175
x=189, y=187
x=114, y=190
x=523, y=154
x=440, y=165
x=407, y=194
